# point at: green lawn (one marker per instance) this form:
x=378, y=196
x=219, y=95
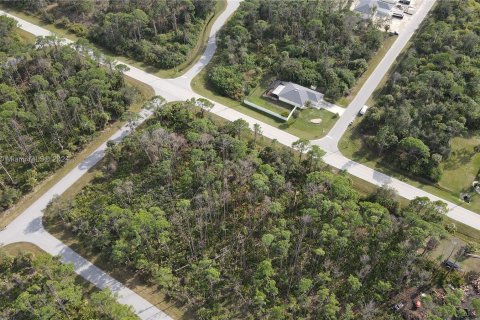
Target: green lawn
x=459, y=171
x=463, y=165
x=300, y=127
x=192, y=58
x=256, y=96
x=448, y=248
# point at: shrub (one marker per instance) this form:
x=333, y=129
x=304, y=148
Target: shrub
x=78, y=29
x=63, y=22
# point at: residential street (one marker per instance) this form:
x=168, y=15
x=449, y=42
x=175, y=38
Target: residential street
x=28, y=226
x=329, y=143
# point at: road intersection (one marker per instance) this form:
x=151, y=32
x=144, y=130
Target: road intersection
x=28, y=226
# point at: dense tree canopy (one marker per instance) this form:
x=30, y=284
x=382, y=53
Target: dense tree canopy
x=52, y=99
x=239, y=231
x=159, y=32
x=43, y=288
x=434, y=95
x=320, y=43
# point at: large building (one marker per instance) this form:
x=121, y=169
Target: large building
x=375, y=8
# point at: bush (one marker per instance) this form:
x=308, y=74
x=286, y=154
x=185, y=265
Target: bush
x=63, y=22
x=78, y=29
x=227, y=81
x=435, y=174
x=48, y=17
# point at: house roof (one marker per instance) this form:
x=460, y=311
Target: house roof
x=278, y=89
x=382, y=8
x=297, y=94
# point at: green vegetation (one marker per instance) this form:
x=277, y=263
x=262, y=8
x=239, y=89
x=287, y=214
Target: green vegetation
x=7, y=216
x=233, y=229
x=319, y=43
x=372, y=65
x=160, y=33
x=458, y=172
x=41, y=287
x=53, y=100
x=432, y=97
x=17, y=248
x=299, y=125
x=193, y=55
x=256, y=96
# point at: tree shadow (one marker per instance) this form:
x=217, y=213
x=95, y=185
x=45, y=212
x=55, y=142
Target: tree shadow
x=90, y=272
x=459, y=158
x=381, y=178
x=91, y=160
x=34, y=225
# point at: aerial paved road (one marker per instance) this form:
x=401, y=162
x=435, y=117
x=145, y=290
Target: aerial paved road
x=330, y=142
x=28, y=226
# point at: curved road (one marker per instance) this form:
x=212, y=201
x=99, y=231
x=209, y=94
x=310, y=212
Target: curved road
x=28, y=226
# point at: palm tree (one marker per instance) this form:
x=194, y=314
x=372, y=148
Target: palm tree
x=257, y=130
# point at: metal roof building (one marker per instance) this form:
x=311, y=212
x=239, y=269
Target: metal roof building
x=378, y=8
x=297, y=95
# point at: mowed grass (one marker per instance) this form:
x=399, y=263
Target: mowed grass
x=14, y=249
x=372, y=65
x=459, y=171
x=449, y=248
x=193, y=56
x=463, y=165
x=300, y=127
x=25, y=36
x=256, y=96
x=146, y=92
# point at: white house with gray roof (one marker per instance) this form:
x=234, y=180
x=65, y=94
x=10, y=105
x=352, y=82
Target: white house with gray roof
x=375, y=8
x=297, y=95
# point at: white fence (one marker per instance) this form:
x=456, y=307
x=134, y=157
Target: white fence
x=270, y=112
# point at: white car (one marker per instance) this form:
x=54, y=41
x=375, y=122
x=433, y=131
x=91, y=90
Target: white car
x=363, y=110
x=398, y=14
x=410, y=10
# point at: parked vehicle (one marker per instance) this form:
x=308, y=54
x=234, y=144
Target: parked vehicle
x=398, y=14
x=363, y=110
x=399, y=306
x=410, y=10
x=451, y=265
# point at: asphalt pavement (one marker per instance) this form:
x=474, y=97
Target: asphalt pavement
x=28, y=226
